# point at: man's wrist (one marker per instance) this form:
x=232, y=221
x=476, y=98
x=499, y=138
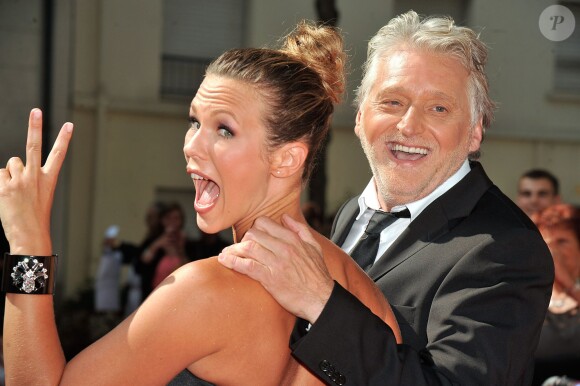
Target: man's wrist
x=320, y=302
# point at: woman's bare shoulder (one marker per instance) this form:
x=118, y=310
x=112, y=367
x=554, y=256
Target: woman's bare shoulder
x=207, y=280
x=204, y=299
x=348, y=274
x=236, y=314
x=341, y=266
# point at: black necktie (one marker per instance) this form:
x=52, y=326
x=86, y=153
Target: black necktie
x=366, y=248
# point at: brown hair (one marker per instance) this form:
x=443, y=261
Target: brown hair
x=300, y=83
x=558, y=216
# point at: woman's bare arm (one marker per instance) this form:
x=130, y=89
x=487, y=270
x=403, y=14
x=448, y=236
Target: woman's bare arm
x=30, y=338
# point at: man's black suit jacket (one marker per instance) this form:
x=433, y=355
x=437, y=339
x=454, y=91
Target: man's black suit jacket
x=469, y=282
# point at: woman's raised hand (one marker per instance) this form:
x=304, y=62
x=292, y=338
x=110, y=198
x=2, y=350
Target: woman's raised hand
x=27, y=190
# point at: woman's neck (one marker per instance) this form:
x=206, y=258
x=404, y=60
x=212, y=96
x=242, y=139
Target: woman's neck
x=288, y=204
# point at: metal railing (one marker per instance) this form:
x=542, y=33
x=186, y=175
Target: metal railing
x=181, y=76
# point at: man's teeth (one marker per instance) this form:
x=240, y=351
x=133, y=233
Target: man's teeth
x=416, y=150
x=197, y=177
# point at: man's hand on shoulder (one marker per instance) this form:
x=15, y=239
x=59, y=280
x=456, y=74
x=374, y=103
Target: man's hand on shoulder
x=287, y=261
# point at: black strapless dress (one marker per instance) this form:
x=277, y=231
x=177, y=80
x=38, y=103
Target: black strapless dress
x=185, y=378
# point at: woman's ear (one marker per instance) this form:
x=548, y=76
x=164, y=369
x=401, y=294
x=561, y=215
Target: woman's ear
x=288, y=159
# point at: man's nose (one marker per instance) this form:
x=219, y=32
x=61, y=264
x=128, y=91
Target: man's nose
x=411, y=122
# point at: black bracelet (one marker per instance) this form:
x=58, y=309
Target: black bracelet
x=32, y=275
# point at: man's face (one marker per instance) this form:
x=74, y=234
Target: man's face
x=535, y=194
x=415, y=124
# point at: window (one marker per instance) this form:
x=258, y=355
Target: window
x=194, y=33
x=567, y=72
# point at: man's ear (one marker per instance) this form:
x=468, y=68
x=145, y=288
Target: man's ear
x=476, y=136
x=357, y=126
x=288, y=159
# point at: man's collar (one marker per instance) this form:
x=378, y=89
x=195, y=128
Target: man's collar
x=369, y=197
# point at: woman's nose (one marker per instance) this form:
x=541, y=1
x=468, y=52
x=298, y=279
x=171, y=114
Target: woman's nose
x=194, y=146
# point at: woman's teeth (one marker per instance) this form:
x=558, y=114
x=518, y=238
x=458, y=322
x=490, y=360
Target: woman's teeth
x=197, y=177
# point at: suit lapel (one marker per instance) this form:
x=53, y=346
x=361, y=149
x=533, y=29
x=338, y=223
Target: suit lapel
x=430, y=224
x=344, y=219
x=436, y=220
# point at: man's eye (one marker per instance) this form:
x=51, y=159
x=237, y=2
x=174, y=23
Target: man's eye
x=440, y=109
x=544, y=193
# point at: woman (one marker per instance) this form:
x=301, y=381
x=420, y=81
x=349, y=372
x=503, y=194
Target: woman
x=257, y=121
x=168, y=252
x=558, y=350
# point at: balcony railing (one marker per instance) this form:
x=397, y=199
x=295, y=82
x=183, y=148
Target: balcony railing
x=181, y=76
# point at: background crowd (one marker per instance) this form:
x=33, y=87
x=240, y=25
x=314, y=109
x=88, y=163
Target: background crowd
x=165, y=247
x=558, y=352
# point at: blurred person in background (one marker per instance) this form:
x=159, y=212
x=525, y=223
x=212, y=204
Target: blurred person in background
x=537, y=189
x=167, y=252
x=558, y=351
x=133, y=289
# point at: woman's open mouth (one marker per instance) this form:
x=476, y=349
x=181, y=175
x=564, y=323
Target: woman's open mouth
x=206, y=191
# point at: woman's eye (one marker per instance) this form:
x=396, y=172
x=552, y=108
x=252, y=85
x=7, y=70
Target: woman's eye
x=440, y=109
x=225, y=132
x=194, y=123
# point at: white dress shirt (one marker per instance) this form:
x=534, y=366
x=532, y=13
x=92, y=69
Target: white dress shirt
x=369, y=202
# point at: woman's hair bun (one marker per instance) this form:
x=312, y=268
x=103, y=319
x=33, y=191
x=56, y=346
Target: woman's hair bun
x=320, y=48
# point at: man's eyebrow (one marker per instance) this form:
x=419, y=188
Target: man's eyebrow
x=401, y=90
x=442, y=95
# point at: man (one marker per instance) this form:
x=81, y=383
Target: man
x=467, y=273
x=537, y=189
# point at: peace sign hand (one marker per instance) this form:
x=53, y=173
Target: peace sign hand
x=26, y=191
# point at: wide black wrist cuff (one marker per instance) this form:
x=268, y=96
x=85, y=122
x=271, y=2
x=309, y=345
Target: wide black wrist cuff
x=30, y=275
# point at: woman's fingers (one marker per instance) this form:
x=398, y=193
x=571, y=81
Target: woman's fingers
x=57, y=154
x=34, y=144
x=34, y=139
x=26, y=190
x=14, y=166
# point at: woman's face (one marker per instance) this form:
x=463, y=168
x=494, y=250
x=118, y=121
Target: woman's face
x=565, y=248
x=225, y=151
